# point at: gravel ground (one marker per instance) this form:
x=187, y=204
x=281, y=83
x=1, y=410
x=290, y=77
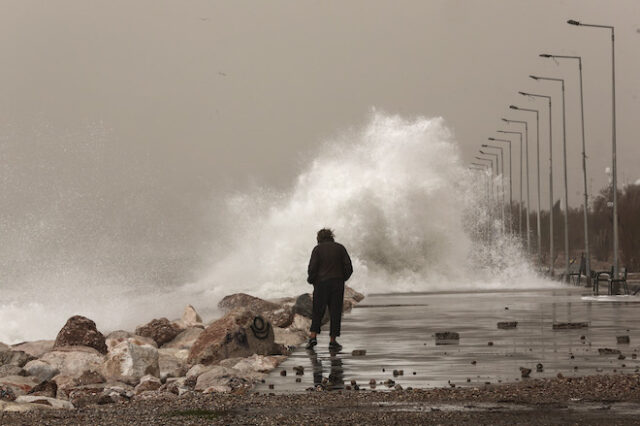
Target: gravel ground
x=610, y=399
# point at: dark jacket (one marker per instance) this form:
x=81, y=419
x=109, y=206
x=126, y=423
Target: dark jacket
x=329, y=260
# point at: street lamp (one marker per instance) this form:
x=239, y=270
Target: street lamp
x=566, y=186
x=492, y=170
x=539, y=232
x=501, y=172
x=510, y=182
x=551, y=254
x=614, y=171
x=526, y=150
x=520, y=205
x=501, y=175
x=584, y=165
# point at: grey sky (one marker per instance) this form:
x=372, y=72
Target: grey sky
x=127, y=117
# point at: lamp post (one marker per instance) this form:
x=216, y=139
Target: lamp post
x=566, y=186
x=614, y=168
x=510, y=182
x=551, y=254
x=584, y=165
x=492, y=170
x=520, y=205
x=500, y=171
x=526, y=150
x=501, y=176
x=539, y=232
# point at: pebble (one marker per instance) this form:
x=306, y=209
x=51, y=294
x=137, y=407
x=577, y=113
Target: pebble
x=283, y=373
x=490, y=344
x=299, y=370
x=358, y=352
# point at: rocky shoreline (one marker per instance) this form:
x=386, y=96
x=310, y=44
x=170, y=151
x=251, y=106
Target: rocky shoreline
x=160, y=360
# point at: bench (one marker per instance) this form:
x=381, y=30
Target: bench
x=622, y=279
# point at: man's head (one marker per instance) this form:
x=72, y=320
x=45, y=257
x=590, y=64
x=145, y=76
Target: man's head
x=324, y=235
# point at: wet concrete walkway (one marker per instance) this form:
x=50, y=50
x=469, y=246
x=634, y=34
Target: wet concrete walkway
x=397, y=332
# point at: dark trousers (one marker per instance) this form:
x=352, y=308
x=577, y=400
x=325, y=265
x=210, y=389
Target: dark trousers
x=330, y=294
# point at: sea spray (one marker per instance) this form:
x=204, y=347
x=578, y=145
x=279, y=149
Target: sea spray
x=396, y=193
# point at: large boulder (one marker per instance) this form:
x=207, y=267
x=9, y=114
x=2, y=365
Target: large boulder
x=74, y=361
x=37, y=348
x=147, y=383
x=185, y=339
x=130, y=360
x=160, y=330
x=81, y=331
x=240, y=333
x=47, y=388
x=172, y=362
x=40, y=369
x=17, y=358
x=280, y=315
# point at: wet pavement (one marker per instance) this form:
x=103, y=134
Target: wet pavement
x=398, y=333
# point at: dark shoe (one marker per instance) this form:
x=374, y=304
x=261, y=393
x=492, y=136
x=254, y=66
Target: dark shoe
x=335, y=346
x=311, y=343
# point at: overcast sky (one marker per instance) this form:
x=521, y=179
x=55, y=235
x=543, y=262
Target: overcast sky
x=112, y=110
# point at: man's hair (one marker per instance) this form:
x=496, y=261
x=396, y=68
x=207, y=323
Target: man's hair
x=324, y=235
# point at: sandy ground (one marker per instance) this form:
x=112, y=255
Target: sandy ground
x=604, y=399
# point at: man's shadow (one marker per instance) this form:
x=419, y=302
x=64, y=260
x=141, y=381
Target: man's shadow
x=335, y=380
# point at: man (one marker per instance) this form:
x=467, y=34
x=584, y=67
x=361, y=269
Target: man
x=329, y=267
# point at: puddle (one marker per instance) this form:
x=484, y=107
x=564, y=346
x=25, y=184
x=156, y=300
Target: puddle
x=397, y=331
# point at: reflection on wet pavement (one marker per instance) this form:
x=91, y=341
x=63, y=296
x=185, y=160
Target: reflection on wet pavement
x=397, y=331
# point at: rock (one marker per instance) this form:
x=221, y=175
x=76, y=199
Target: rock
x=398, y=387
x=172, y=362
x=46, y=388
x=622, y=340
x=11, y=370
x=289, y=336
x=350, y=293
x=608, y=351
x=560, y=376
x=569, y=325
x=301, y=323
x=73, y=361
x=17, y=358
x=81, y=331
x=304, y=307
x=283, y=372
x=539, y=368
x=190, y=318
x=218, y=379
x=358, y=352
x=36, y=348
x=278, y=315
x=52, y=402
x=389, y=383
x=621, y=357
x=185, y=339
x=525, y=372
x=18, y=385
x=147, y=383
x=507, y=325
x=299, y=369
x=259, y=363
x=160, y=330
x=40, y=369
x=4, y=347
x=240, y=333
x=120, y=336
x=489, y=343
x=89, y=378
x=197, y=370
x=447, y=338
x=130, y=360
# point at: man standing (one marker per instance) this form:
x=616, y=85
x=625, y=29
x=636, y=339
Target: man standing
x=329, y=267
